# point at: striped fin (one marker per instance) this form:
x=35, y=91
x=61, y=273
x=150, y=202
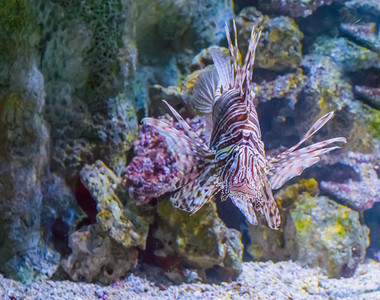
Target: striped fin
x=189, y=153
x=195, y=194
x=222, y=64
x=204, y=90
x=246, y=207
x=291, y=163
x=270, y=209
x=195, y=162
x=245, y=72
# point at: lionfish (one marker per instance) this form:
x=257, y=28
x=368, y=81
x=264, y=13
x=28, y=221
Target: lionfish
x=233, y=159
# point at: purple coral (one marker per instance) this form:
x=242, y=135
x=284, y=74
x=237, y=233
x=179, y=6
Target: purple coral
x=359, y=194
x=154, y=170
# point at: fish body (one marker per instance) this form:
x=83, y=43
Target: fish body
x=233, y=160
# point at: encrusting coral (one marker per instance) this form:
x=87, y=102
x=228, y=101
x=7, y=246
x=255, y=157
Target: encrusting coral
x=155, y=169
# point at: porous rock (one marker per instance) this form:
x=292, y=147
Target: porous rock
x=105, y=251
x=96, y=257
x=346, y=54
x=292, y=8
x=200, y=241
x=362, y=190
x=279, y=47
x=316, y=232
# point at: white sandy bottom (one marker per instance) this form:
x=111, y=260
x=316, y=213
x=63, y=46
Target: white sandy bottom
x=283, y=280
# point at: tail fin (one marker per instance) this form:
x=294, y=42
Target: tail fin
x=291, y=163
x=195, y=162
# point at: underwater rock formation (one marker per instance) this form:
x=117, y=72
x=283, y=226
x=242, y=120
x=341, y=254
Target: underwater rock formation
x=317, y=232
x=105, y=251
x=369, y=94
x=24, y=139
x=201, y=242
x=286, y=86
x=327, y=89
x=101, y=182
x=75, y=76
x=347, y=55
x=280, y=43
x=361, y=192
x=292, y=8
x=172, y=94
x=363, y=34
x=23, y=162
x=87, y=58
x=96, y=257
x=371, y=7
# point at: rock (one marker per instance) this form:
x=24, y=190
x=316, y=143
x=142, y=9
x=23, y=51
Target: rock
x=179, y=25
x=203, y=58
x=363, y=33
x=370, y=95
x=88, y=55
x=96, y=257
x=24, y=254
x=61, y=213
x=371, y=7
x=326, y=89
x=346, y=54
x=107, y=250
x=286, y=86
x=111, y=216
x=363, y=190
x=316, y=232
x=171, y=94
x=329, y=235
x=200, y=241
x=292, y=8
x=280, y=43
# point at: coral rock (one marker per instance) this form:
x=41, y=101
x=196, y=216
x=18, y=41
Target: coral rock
x=102, y=183
x=292, y=8
x=280, y=43
x=349, y=56
x=95, y=257
x=154, y=170
x=362, y=192
x=201, y=241
x=317, y=232
x=282, y=87
x=364, y=34
x=369, y=94
x=371, y=7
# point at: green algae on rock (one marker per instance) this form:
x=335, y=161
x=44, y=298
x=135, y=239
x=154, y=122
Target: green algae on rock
x=319, y=232
x=280, y=43
x=201, y=241
x=329, y=235
x=102, y=184
x=19, y=30
x=327, y=89
x=346, y=54
x=107, y=250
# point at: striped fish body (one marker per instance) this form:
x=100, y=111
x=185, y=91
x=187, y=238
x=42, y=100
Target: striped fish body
x=240, y=155
x=233, y=159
